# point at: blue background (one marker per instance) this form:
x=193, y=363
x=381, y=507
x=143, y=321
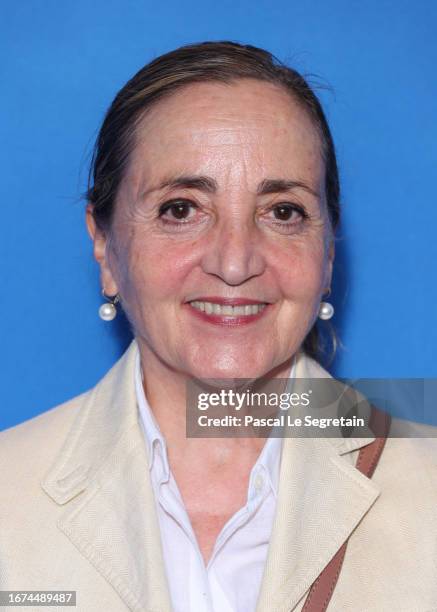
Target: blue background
x=62, y=62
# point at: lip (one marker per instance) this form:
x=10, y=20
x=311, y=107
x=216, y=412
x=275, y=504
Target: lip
x=228, y=320
x=237, y=301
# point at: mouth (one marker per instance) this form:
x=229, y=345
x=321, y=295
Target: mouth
x=228, y=311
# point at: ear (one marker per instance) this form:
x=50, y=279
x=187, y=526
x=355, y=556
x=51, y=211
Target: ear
x=330, y=263
x=100, y=240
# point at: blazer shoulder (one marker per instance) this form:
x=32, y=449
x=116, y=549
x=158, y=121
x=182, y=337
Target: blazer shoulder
x=413, y=444
x=407, y=470
x=33, y=443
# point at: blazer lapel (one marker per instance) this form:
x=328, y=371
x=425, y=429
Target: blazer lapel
x=321, y=499
x=101, y=476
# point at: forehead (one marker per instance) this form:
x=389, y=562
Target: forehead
x=247, y=126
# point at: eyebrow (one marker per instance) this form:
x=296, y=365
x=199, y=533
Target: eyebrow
x=209, y=185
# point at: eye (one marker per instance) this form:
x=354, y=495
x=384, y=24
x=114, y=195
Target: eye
x=290, y=213
x=177, y=210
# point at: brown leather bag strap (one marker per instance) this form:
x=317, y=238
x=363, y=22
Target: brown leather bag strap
x=368, y=457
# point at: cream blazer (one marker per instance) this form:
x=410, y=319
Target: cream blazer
x=77, y=512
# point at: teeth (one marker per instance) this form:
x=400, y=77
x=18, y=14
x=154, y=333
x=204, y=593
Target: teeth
x=227, y=310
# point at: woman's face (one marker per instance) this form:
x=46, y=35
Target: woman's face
x=220, y=245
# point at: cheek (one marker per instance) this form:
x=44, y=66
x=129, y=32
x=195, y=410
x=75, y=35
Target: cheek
x=154, y=270
x=301, y=270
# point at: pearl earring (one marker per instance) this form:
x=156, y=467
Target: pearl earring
x=326, y=309
x=108, y=311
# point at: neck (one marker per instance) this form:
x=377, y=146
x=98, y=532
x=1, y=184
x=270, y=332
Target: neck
x=165, y=389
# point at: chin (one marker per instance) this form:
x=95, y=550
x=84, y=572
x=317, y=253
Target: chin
x=228, y=367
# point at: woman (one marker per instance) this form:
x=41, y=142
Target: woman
x=212, y=209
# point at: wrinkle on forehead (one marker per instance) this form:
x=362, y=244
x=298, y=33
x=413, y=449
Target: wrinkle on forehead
x=262, y=133
x=201, y=112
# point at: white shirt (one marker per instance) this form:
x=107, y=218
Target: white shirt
x=232, y=579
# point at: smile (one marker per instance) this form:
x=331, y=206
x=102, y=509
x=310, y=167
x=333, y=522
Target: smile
x=242, y=310
x=228, y=312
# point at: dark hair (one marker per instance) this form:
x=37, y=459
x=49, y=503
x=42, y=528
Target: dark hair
x=219, y=61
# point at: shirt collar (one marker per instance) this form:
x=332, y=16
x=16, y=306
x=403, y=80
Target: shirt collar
x=154, y=438
x=267, y=463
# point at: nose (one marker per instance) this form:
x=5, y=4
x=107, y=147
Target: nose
x=233, y=252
